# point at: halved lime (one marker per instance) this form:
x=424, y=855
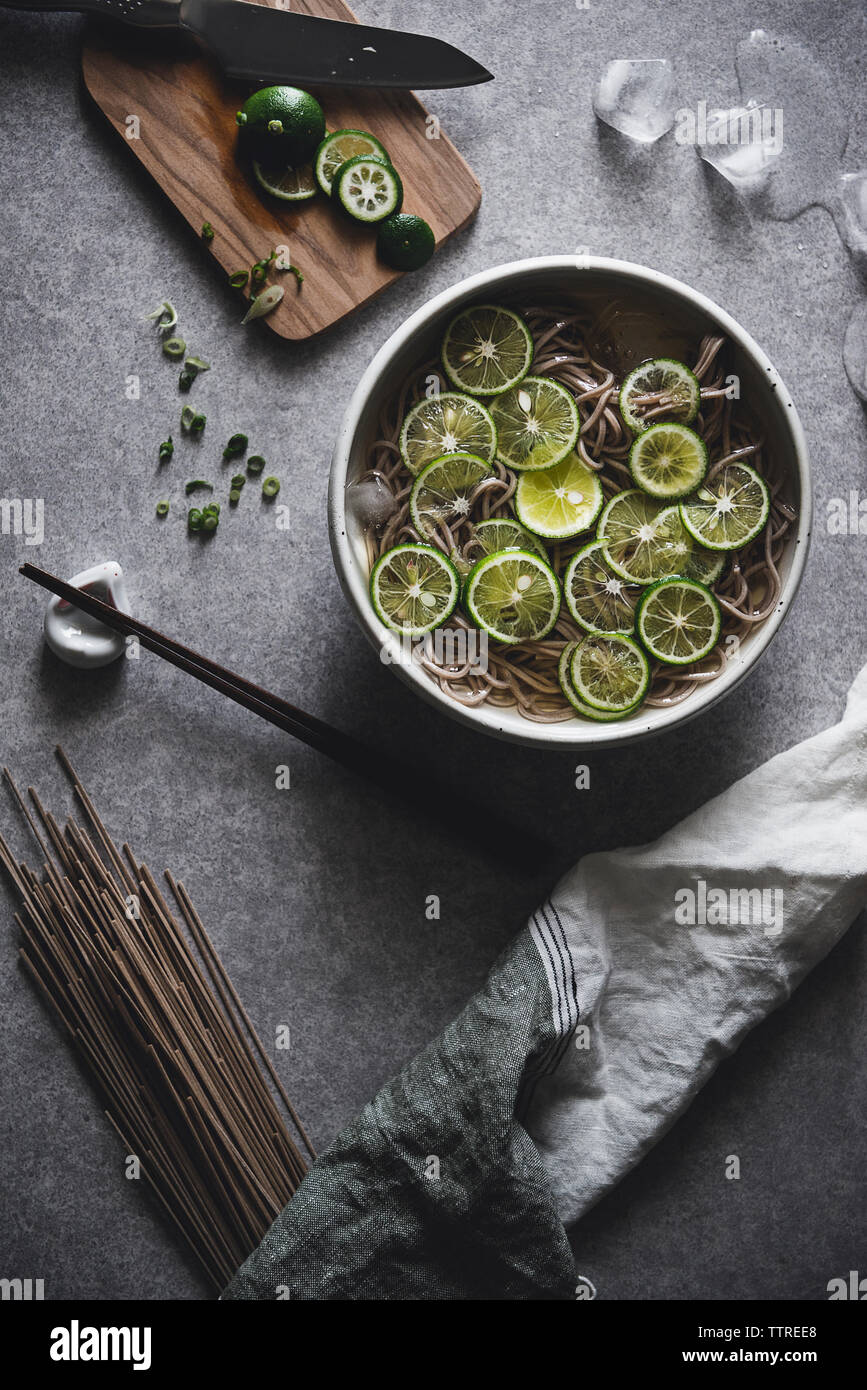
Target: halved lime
x=513, y=595
x=280, y=126
x=449, y=423
x=640, y=537
x=487, y=350
x=443, y=488
x=598, y=599
x=682, y=392
x=564, y=675
x=537, y=423
x=610, y=673
x=704, y=565
x=678, y=620
x=729, y=511
x=502, y=533
x=413, y=588
x=339, y=146
x=288, y=184
x=668, y=460
x=561, y=501
x=368, y=188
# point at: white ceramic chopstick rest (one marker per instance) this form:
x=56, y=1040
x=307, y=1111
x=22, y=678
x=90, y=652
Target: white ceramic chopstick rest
x=76, y=637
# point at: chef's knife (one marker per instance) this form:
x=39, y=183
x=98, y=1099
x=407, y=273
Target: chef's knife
x=258, y=44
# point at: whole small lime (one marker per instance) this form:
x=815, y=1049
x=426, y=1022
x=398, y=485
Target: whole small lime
x=280, y=126
x=405, y=242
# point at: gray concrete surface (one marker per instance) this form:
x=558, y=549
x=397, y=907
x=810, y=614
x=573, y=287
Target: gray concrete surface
x=315, y=896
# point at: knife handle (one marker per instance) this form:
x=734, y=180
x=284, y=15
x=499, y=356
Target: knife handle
x=149, y=14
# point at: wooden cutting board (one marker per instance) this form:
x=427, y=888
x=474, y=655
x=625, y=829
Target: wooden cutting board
x=186, y=138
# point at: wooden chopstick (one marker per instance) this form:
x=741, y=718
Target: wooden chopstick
x=426, y=795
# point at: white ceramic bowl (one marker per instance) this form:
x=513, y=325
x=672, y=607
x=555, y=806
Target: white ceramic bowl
x=571, y=279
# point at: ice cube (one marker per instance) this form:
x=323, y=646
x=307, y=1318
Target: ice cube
x=779, y=73
x=370, y=502
x=855, y=350
x=637, y=97
x=850, y=212
x=742, y=144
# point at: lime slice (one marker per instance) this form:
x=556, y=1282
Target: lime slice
x=443, y=489
x=537, y=423
x=668, y=460
x=682, y=393
x=513, y=595
x=502, y=533
x=678, y=620
x=339, y=146
x=449, y=423
x=704, y=565
x=640, y=537
x=564, y=675
x=413, y=588
x=288, y=184
x=729, y=511
x=368, y=188
x=680, y=544
x=598, y=599
x=487, y=350
x=610, y=673
x=561, y=501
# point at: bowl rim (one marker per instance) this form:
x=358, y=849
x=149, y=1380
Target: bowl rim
x=568, y=735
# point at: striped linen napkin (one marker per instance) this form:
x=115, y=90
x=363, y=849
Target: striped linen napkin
x=593, y=1032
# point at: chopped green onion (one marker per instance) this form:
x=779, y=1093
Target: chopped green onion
x=270, y=487
x=167, y=448
x=210, y=523
x=264, y=303
x=240, y=118
x=212, y=508
x=239, y=480
x=259, y=272
x=196, y=365
x=284, y=263
x=238, y=279
x=166, y=316
x=207, y=232
x=255, y=463
x=194, y=519
x=198, y=424
x=174, y=347
x=235, y=496
x=185, y=380
x=188, y=415
x=236, y=446
x=196, y=483
x=162, y=508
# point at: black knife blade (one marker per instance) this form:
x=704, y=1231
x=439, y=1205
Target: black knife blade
x=260, y=44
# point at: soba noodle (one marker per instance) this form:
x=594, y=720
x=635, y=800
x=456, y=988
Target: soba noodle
x=524, y=676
